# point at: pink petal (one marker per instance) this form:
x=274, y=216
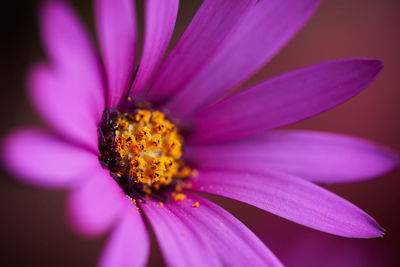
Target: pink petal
x=116, y=28
x=201, y=229
x=41, y=159
x=95, y=203
x=70, y=96
x=211, y=27
x=70, y=111
x=129, y=243
x=312, y=248
x=179, y=240
x=315, y=156
x=262, y=33
x=290, y=197
x=233, y=242
x=159, y=25
x=284, y=100
x=68, y=44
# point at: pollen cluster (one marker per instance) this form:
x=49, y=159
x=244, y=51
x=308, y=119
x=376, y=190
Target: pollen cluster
x=142, y=150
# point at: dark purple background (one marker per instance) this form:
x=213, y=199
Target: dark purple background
x=33, y=225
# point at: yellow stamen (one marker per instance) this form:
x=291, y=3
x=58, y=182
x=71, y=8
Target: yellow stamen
x=149, y=149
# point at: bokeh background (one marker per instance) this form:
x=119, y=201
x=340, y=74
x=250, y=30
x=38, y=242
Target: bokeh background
x=33, y=228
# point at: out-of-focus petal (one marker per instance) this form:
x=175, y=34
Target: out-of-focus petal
x=180, y=241
x=212, y=25
x=71, y=51
x=290, y=197
x=116, y=28
x=313, y=248
x=315, y=156
x=285, y=99
x=236, y=245
x=263, y=32
x=95, y=203
x=160, y=17
x=129, y=243
x=39, y=158
x=70, y=95
x=70, y=111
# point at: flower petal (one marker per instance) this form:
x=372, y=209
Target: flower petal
x=233, y=243
x=263, y=32
x=70, y=96
x=66, y=108
x=179, y=240
x=41, y=159
x=95, y=203
x=159, y=25
x=285, y=99
x=315, y=156
x=129, y=243
x=202, y=40
x=116, y=28
x=68, y=45
x=290, y=197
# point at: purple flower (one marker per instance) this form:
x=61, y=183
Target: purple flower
x=137, y=144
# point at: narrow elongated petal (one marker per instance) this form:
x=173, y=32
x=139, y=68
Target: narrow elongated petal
x=160, y=18
x=235, y=246
x=129, y=244
x=290, y=197
x=41, y=159
x=212, y=25
x=67, y=109
x=70, y=95
x=262, y=33
x=70, y=49
x=95, y=203
x=116, y=28
x=285, y=99
x=315, y=156
x=180, y=242
x=233, y=242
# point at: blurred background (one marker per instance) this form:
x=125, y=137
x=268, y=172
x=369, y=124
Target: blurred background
x=33, y=226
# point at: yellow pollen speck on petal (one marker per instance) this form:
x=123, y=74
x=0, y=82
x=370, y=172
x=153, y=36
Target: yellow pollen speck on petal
x=160, y=204
x=178, y=196
x=196, y=204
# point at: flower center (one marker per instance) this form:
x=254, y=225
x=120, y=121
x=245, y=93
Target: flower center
x=143, y=150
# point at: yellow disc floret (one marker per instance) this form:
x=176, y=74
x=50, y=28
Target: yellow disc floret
x=143, y=151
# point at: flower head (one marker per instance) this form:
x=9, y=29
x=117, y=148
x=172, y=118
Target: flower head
x=138, y=142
